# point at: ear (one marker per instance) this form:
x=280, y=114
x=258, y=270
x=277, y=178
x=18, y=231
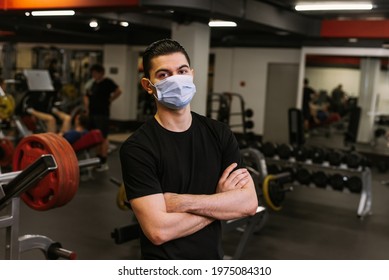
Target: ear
x=146, y=85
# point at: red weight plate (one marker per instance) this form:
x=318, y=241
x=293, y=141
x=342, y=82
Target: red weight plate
x=68, y=164
x=52, y=190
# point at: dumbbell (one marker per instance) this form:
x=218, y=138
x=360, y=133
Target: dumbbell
x=269, y=149
x=354, y=160
x=335, y=157
x=318, y=155
x=303, y=176
x=354, y=184
x=284, y=151
x=320, y=179
x=337, y=181
x=301, y=153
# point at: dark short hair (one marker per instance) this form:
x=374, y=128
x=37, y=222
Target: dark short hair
x=158, y=48
x=97, y=68
x=83, y=120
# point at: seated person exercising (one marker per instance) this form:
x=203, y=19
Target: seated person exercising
x=80, y=129
x=182, y=171
x=41, y=106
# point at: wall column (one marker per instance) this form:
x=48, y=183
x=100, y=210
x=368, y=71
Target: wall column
x=370, y=68
x=121, y=65
x=195, y=38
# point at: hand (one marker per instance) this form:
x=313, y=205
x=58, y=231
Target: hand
x=231, y=180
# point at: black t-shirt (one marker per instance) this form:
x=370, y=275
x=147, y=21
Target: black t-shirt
x=307, y=96
x=99, y=96
x=155, y=160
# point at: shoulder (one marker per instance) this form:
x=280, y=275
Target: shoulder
x=140, y=138
x=109, y=81
x=210, y=123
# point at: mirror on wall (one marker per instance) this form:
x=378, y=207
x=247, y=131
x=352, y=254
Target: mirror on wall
x=341, y=80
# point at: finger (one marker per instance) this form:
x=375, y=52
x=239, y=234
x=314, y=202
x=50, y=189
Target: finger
x=237, y=172
x=227, y=171
x=239, y=177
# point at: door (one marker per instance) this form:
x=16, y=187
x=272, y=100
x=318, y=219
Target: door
x=281, y=94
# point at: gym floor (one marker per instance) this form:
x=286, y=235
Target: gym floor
x=314, y=224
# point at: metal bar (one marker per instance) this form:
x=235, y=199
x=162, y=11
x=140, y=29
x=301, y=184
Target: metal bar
x=28, y=177
x=88, y=162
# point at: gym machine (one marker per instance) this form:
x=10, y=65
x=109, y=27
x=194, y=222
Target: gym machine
x=230, y=108
x=46, y=176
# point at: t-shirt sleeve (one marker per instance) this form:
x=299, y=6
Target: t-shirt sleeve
x=112, y=85
x=230, y=148
x=138, y=171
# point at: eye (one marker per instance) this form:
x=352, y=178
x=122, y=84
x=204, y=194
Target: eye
x=162, y=75
x=183, y=71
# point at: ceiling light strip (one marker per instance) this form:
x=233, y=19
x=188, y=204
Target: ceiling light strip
x=333, y=6
x=221, y=23
x=53, y=13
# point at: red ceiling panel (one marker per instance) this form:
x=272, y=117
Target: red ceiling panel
x=64, y=4
x=355, y=28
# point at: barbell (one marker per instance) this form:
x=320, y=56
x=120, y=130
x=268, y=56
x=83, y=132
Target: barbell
x=57, y=187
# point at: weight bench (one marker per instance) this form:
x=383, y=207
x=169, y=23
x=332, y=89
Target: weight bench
x=83, y=145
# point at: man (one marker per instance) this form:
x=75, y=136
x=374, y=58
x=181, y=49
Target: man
x=178, y=168
x=97, y=102
x=308, y=95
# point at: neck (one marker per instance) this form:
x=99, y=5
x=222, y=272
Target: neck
x=174, y=120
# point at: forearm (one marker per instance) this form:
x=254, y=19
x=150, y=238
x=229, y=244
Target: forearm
x=115, y=94
x=86, y=102
x=222, y=206
x=160, y=226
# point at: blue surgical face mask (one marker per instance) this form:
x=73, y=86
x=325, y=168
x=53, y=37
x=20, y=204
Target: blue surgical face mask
x=175, y=92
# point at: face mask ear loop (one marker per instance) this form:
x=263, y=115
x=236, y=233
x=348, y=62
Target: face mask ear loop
x=155, y=96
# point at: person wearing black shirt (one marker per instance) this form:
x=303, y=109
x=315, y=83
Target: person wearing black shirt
x=182, y=171
x=97, y=102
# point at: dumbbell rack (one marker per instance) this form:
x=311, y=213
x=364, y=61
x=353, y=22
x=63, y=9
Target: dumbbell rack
x=11, y=185
x=365, y=201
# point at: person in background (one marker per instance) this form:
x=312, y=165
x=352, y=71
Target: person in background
x=339, y=100
x=81, y=124
x=182, y=172
x=97, y=103
x=308, y=95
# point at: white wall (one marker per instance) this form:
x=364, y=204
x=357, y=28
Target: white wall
x=244, y=71
x=328, y=78
x=125, y=60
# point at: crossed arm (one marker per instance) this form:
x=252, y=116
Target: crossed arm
x=168, y=216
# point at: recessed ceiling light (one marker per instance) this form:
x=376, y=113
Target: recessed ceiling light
x=93, y=23
x=124, y=23
x=328, y=6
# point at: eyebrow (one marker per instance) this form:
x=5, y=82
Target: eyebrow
x=167, y=70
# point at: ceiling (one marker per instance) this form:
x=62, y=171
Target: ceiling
x=266, y=23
